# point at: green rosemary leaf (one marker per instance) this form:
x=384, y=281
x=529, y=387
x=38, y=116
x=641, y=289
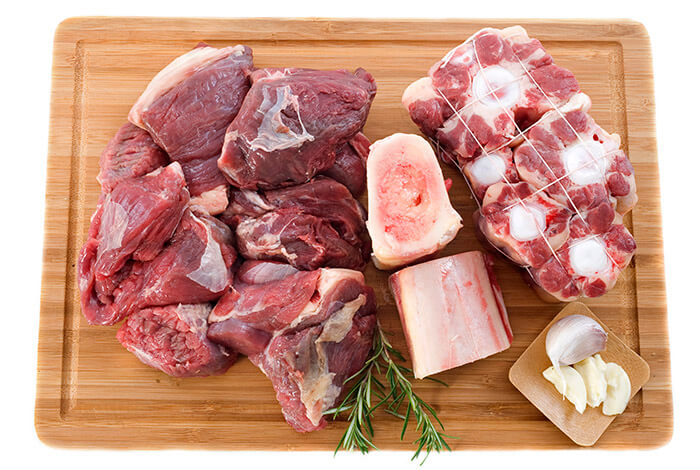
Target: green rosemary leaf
x=394, y=394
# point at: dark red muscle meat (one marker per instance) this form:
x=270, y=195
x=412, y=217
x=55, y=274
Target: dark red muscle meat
x=291, y=123
x=174, y=340
x=131, y=153
x=188, y=106
x=312, y=225
x=307, y=330
x=131, y=223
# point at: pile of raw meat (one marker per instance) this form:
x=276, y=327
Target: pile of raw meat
x=228, y=224
x=551, y=183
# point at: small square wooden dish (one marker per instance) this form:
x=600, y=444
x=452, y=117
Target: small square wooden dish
x=526, y=374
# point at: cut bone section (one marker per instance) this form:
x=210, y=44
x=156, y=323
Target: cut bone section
x=410, y=215
x=496, y=87
x=585, y=163
x=452, y=311
x=588, y=258
x=591, y=260
x=526, y=222
x=576, y=161
x=488, y=169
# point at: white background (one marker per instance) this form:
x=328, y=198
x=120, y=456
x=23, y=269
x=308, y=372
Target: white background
x=27, y=34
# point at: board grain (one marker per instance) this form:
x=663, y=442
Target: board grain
x=93, y=393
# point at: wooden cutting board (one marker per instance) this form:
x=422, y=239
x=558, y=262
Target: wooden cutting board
x=93, y=393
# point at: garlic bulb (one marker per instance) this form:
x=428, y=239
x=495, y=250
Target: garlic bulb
x=573, y=339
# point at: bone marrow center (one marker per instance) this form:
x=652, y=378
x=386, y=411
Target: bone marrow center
x=488, y=170
x=527, y=222
x=588, y=258
x=495, y=86
x=585, y=163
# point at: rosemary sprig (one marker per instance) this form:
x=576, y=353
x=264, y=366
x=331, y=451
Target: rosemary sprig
x=399, y=396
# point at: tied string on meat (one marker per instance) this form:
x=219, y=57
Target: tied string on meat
x=592, y=157
x=521, y=134
x=510, y=185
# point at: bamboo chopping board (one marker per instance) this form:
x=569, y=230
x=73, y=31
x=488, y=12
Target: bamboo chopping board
x=93, y=393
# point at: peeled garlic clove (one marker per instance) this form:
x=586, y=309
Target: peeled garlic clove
x=569, y=383
x=599, y=362
x=573, y=339
x=593, y=374
x=619, y=389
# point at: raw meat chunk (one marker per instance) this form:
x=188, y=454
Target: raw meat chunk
x=305, y=241
x=248, y=315
x=591, y=260
x=174, y=340
x=410, y=215
x=138, y=217
x=307, y=331
x=484, y=92
x=452, y=312
x=291, y=123
x=578, y=163
x=350, y=166
x=317, y=361
x=188, y=106
x=525, y=224
x=195, y=267
x=312, y=225
x=130, y=153
x=133, y=222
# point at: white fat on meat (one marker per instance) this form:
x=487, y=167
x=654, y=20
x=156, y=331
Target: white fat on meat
x=526, y=222
x=495, y=86
x=263, y=272
x=267, y=245
x=195, y=315
x=273, y=134
x=488, y=169
x=462, y=55
x=113, y=226
x=327, y=281
x=177, y=72
x=586, y=162
x=337, y=327
x=255, y=199
x=518, y=35
x=589, y=258
x=318, y=392
x=212, y=202
x=212, y=273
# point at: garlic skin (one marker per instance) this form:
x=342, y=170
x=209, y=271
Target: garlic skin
x=592, y=369
x=569, y=383
x=619, y=389
x=574, y=338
